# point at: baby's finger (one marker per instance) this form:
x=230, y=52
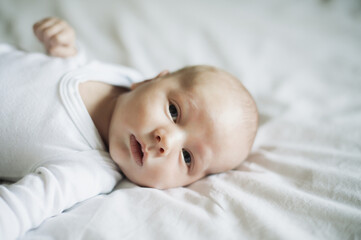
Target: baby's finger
x=39, y=23
x=52, y=31
x=40, y=29
x=63, y=51
x=64, y=37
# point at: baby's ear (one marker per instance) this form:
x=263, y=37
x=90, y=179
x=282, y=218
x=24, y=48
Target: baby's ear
x=135, y=85
x=162, y=73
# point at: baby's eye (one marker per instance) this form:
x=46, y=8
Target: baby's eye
x=173, y=112
x=187, y=157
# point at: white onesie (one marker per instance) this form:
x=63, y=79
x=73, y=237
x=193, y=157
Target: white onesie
x=48, y=141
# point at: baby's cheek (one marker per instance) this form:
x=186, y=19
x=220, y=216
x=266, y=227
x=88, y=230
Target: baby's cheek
x=118, y=153
x=160, y=179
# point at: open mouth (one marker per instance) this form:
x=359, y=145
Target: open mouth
x=136, y=150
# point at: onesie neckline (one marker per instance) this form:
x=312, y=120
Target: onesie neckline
x=73, y=103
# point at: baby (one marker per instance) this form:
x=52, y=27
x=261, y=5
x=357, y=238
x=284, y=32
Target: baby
x=65, y=124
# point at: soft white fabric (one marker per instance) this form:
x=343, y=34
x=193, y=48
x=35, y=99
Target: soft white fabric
x=300, y=59
x=47, y=139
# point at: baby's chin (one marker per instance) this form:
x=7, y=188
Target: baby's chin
x=156, y=183
x=152, y=184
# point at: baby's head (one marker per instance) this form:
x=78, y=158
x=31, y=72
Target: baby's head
x=179, y=127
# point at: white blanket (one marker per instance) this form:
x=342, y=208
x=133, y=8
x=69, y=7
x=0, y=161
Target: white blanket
x=302, y=62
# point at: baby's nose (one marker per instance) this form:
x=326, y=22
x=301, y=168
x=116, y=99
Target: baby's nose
x=162, y=142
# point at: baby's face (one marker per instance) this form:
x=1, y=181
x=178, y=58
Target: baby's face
x=165, y=133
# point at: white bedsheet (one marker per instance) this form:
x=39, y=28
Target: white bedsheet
x=302, y=62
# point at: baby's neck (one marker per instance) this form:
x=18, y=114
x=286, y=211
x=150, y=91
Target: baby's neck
x=100, y=99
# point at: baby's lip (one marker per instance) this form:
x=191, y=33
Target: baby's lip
x=136, y=150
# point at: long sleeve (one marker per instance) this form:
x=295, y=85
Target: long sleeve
x=52, y=188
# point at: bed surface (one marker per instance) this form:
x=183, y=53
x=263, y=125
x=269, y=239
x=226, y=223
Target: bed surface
x=301, y=60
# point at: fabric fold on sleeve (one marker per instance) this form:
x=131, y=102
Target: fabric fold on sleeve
x=52, y=188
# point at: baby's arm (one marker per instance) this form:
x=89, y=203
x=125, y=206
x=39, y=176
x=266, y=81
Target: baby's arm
x=57, y=36
x=52, y=188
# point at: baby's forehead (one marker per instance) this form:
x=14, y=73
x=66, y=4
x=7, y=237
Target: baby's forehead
x=224, y=104
x=209, y=94
x=215, y=97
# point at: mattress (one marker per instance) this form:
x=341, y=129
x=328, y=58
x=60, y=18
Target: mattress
x=301, y=60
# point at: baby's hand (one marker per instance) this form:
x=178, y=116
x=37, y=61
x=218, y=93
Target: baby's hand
x=57, y=36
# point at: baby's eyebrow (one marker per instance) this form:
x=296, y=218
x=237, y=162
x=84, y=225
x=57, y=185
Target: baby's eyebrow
x=186, y=103
x=191, y=101
x=200, y=150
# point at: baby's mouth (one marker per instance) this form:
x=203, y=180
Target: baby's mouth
x=136, y=149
